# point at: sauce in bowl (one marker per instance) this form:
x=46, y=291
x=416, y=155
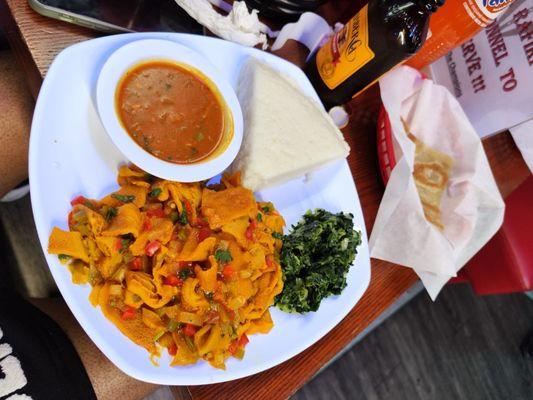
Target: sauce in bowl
x=171, y=111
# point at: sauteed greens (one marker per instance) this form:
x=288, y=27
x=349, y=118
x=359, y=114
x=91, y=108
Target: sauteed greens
x=315, y=259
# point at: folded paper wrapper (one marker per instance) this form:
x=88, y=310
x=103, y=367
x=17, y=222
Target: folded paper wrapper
x=471, y=205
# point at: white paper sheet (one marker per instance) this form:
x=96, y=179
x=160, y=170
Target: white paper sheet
x=472, y=207
x=492, y=74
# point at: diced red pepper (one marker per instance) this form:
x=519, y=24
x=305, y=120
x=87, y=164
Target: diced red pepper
x=243, y=341
x=269, y=262
x=185, y=264
x=118, y=245
x=233, y=347
x=189, y=330
x=128, y=313
x=202, y=223
x=172, y=349
x=152, y=247
x=78, y=200
x=250, y=230
x=188, y=207
x=227, y=271
x=249, y=233
x=147, y=225
x=203, y=234
x=173, y=280
x=136, y=264
x=155, y=212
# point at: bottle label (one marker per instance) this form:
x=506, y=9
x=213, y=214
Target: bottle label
x=483, y=12
x=346, y=52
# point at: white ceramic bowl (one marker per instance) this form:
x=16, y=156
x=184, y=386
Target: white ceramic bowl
x=141, y=51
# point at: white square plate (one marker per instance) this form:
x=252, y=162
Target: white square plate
x=70, y=154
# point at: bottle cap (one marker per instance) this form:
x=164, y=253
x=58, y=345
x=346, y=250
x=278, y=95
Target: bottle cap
x=339, y=116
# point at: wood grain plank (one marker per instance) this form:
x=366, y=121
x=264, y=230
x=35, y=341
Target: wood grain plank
x=45, y=37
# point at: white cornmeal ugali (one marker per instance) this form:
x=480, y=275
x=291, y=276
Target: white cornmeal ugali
x=286, y=133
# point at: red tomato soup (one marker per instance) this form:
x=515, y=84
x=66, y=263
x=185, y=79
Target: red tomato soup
x=170, y=111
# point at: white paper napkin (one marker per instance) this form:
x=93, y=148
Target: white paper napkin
x=472, y=207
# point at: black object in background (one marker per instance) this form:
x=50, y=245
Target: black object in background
x=37, y=358
x=284, y=10
x=120, y=15
x=396, y=30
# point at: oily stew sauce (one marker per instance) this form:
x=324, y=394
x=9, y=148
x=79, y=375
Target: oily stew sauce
x=170, y=111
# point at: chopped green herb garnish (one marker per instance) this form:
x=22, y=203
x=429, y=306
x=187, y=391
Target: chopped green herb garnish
x=172, y=325
x=208, y=295
x=199, y=136
x=63, y=257
x=259, y=217
x=174, y=216
x=185, y=273
x=123, y=198
x=266, y=209
x=223, y=256
x=158, y=335
x=190, y=343
x=111, y=213
x=125, y=242
x=315, y=258
x=277, y=235
x=183, y=216
x=155, y=192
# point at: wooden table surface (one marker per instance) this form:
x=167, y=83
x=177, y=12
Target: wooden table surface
x=36, y=40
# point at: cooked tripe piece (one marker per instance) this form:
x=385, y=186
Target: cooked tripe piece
x=286, y=134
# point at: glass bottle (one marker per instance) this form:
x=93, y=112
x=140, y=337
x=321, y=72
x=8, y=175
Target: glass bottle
x=380, y=36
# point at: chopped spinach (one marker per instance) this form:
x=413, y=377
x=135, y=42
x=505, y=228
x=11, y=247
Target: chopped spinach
x=315, y=258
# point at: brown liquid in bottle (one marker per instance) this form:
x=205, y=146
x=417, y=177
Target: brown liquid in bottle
x=382, y=35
